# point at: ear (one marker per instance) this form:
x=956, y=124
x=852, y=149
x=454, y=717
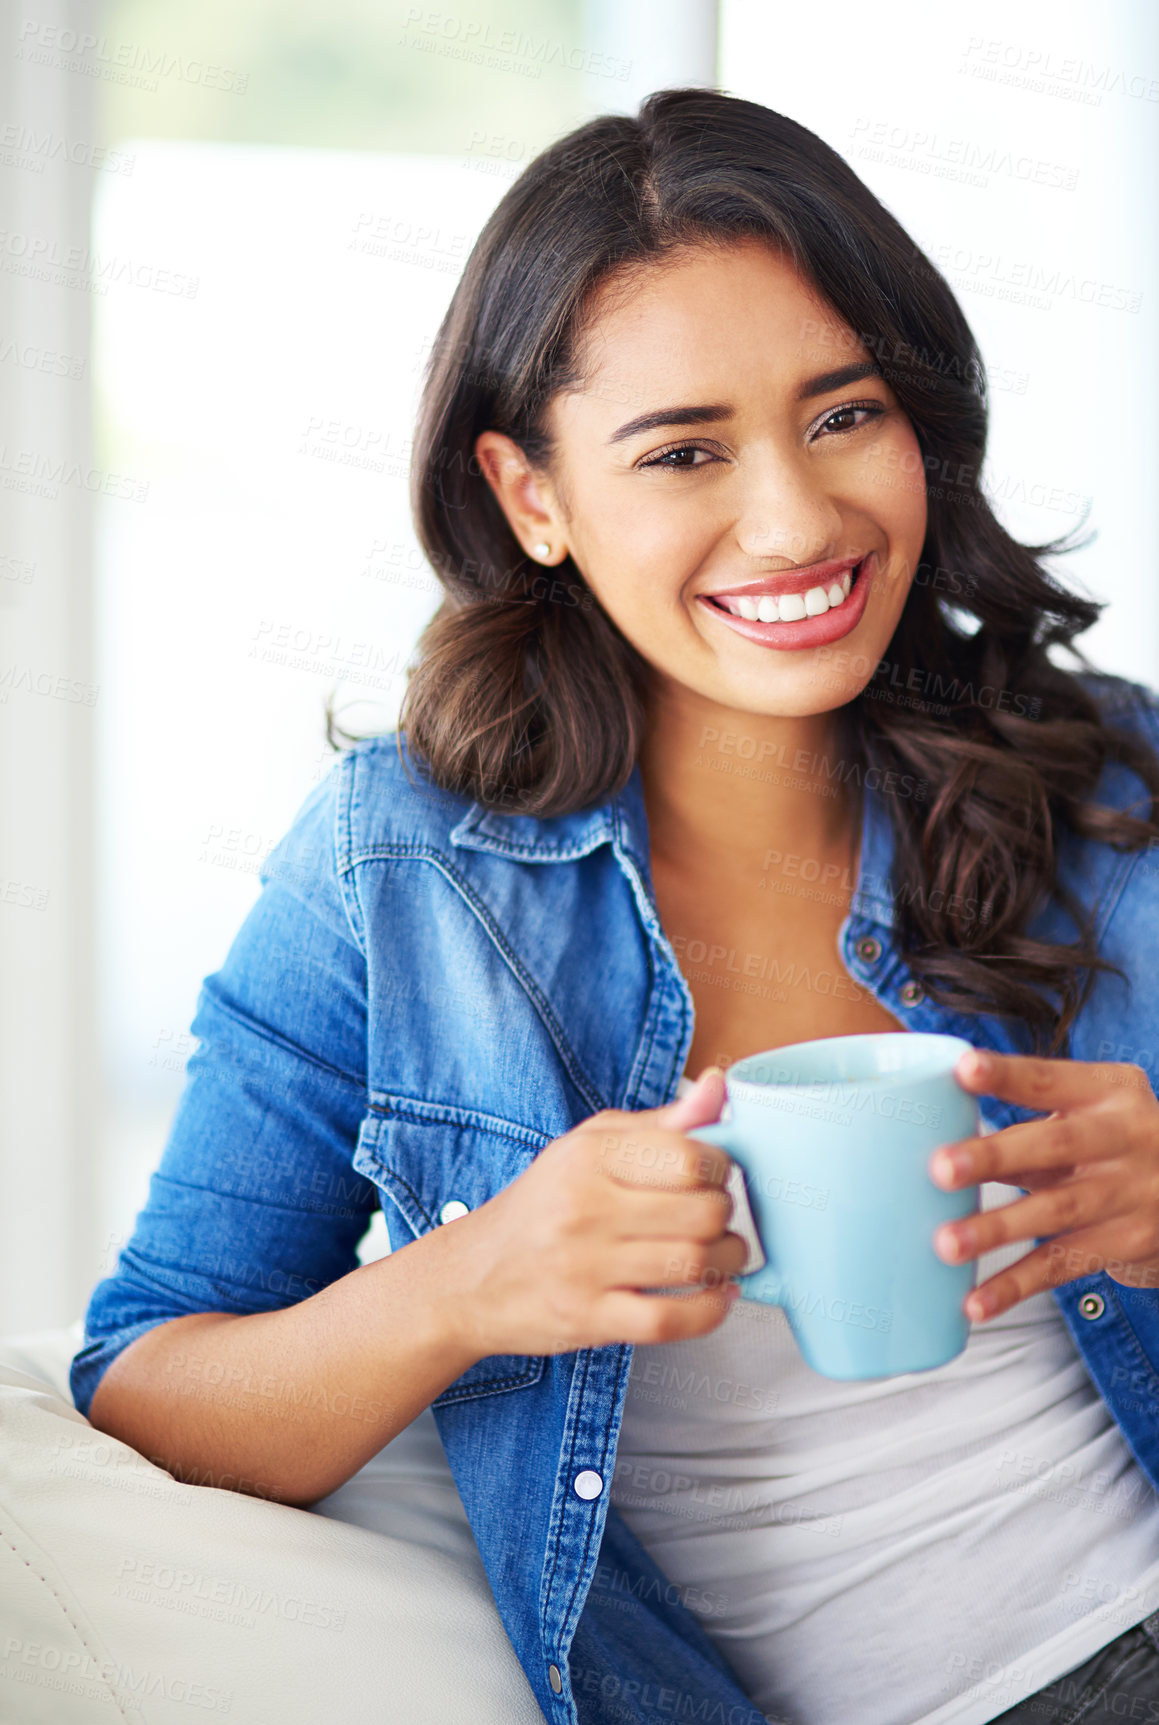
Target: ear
x=525, y=499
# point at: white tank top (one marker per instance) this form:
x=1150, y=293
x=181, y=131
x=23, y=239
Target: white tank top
x=927, y=1549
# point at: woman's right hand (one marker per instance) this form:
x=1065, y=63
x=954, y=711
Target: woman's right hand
x=624, y=1201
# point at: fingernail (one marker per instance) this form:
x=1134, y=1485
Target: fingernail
x=981, y=1305
x=947, y=1167
x=711, y=1072
x=972, y=1065
x=947, y=1245
x=952, y=1245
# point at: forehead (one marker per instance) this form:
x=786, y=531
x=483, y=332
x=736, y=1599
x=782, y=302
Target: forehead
x=710, y=318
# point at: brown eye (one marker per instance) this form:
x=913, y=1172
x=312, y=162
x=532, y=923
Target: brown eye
x=872, y=410
x=671, y=458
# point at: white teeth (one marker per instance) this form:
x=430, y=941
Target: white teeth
x=790, y=607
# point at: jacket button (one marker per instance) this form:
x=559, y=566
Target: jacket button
x=554, y=1678
x=453, y=1209
x=912, y=994
x=1092, y=1305
x=868, y=949
x=587, y=1484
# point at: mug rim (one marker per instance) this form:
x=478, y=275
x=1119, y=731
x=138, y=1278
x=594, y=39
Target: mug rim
x=939, y=1063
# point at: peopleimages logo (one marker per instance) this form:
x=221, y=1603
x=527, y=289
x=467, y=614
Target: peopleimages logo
x=134, y=63
x=806, y=1303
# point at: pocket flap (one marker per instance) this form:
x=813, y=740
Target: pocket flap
x=436, y=1163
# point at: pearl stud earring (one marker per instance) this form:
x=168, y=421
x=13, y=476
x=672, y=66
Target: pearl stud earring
x=543, y=549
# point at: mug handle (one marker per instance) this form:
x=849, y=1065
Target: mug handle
x=719, y=1133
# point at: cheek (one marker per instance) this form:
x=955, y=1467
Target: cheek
x=632, y=550
x=893, y=488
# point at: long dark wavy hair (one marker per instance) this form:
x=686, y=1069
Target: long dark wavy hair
x=526, y=696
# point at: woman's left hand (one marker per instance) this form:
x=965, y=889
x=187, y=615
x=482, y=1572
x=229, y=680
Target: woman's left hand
x=1091, y=1169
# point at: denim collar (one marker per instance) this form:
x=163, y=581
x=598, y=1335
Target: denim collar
x=623, y=821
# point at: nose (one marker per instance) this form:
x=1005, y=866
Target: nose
x=786, y=513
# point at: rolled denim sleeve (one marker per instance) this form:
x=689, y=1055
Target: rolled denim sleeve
x=255, y=1203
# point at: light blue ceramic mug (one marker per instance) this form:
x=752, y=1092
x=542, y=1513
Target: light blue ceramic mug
x=833, y=1138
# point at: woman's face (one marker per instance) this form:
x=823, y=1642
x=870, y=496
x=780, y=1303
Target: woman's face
x=748, y=514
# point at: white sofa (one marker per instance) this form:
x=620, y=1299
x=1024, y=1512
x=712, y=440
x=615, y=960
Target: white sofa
x=125, y=1595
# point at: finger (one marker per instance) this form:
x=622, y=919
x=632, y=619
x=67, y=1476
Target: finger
x=1033, y=1146
x=647, y=1214
x=1029, y=1180
x=1044, y=1084
x=700, y=1106
x=662, y=1157
x=643, y=1264
x=645, y=1319
x=1085, y=1253
x=1031, y=1275
x=1074, y=1204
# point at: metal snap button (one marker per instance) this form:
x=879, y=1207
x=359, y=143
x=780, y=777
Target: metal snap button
x=453, y=1209
x=868, y=949
x=587, y=1484
x=912, y=994
x=554, y=1678
x=1092, y=1305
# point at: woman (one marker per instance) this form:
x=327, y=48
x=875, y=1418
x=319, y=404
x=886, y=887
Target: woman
x=737, y=727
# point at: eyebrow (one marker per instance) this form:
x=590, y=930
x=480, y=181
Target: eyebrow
x=711, y=412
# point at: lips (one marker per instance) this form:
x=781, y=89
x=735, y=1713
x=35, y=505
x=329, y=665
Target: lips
x=791, y=595
x=798, y=607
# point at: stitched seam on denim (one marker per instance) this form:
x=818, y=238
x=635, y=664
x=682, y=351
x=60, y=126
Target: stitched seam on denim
x=276, y=1041
x=393, y=1174
x=424, y=853
x=592, y=1519
x=652, y=1012
x=263, y=1202
x=343, y=845
x=653, y=971
x=563, y=1520
x=541, y=853
x=500, y=844
x=1113, y=894
x=420, y=847
x=20, y=1558
x=1132, y=1341
x=651, y=1026
x=390, y=1172
x=490, y=1386
x=417, y=1112
x=684, y=1022
x=1136, y=1343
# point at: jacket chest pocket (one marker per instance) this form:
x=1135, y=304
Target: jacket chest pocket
x=435, y=1165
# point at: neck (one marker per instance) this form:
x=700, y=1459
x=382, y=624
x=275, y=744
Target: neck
x=723, y=787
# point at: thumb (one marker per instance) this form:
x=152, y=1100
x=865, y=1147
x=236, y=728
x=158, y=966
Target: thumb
x=700, y=1106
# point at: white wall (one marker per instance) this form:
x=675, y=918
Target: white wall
x=1018, y=142
x=49, y=1078
x=270, y=403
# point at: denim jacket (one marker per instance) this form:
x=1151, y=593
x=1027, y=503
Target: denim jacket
x=424, y=994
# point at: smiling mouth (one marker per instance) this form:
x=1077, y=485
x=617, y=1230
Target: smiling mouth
x=793, y=606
